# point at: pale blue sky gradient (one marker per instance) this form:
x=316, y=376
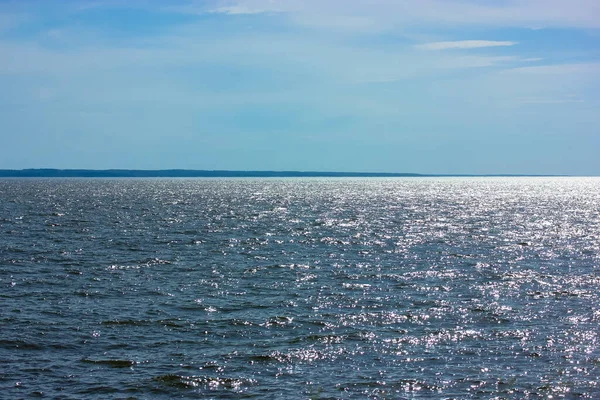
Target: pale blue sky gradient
x=429, y=86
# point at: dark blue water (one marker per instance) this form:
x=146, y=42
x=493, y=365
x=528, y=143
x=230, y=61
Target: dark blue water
x=300, y=288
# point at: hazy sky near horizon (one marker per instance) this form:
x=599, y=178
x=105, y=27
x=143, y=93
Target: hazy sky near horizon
x=428, y=86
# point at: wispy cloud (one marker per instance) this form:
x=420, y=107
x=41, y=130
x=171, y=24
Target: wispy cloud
x=248, y=6
x=582, y=69
x=524, y=13
x=235, y=10
x=464, y=44
x=242, y=9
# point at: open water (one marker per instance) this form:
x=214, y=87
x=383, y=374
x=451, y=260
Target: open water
x=409, y=288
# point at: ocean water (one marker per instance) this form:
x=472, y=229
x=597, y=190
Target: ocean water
x=408, y=288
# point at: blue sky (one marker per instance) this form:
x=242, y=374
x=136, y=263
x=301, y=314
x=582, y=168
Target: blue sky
x=429, y=86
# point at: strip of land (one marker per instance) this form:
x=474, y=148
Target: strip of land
x=188, y=173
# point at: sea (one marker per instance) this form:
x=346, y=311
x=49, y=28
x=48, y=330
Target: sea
x=300, y=288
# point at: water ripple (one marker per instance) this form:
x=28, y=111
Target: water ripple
x=300, y=288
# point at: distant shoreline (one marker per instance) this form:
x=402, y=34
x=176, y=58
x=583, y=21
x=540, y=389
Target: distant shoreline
x=188, y=173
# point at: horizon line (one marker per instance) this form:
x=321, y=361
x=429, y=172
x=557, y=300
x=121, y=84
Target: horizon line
x=199, y=173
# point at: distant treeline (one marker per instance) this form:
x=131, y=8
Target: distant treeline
x=180, y=173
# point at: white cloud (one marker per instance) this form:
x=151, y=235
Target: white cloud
x=239, y=10
x=522, y=13
x=314, y=59
x=252, y=7
x=585, y=69
x=464, y=44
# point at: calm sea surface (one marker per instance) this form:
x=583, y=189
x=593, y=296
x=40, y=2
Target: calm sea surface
x=465, y=288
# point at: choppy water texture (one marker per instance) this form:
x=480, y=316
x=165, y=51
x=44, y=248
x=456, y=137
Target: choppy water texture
x=300, y=288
